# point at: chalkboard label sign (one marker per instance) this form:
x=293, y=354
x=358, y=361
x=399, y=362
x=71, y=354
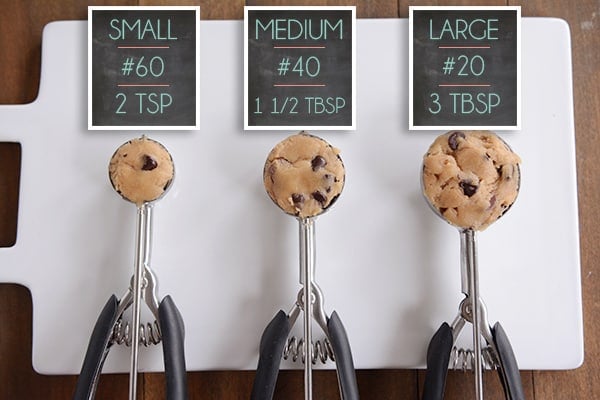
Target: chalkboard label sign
x=464, y=68
x=299, y=68
x=143, y=68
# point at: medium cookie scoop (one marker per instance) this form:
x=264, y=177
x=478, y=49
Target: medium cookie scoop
x=304, y=175
x=141, y=170
x=470, y=178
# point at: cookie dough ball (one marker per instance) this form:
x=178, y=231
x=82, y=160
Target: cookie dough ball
x=304, y=175
x=141, y=170
x=471, y=177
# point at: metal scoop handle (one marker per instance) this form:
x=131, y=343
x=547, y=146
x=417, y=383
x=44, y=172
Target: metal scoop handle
x=307, y=268
x=143, y=236
x=468, y=251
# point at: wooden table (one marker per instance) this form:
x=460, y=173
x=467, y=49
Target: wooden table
x=21, y=24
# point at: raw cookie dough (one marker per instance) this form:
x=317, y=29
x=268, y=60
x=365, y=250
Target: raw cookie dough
x=304, y=175
x=471, y=178
x=141, y=170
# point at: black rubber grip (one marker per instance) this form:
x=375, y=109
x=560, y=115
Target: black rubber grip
x=343, y=358
x=509, y=371
x=271, y=349
x=438, y=358
x=97, y=350
x=173, y=334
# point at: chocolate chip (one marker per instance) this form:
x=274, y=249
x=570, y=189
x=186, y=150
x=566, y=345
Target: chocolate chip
x=298, y=199
x=468, y=188
x=318, y=196
x=318, y=162
x=453, y=139
x=149, y=163
x=443, y=210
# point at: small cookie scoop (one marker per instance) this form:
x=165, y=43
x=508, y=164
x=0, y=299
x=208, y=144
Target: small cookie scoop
x=141, y=170
x=304, y=175
x=470, y=178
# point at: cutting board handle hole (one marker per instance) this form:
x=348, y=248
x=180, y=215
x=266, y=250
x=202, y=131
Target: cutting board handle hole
x=10, y=173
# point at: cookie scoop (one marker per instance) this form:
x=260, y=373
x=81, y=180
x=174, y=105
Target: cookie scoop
x=141, y=170
x=470, y=178
x=304, y=175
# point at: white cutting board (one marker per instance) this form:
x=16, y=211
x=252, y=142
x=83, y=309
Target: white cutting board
x=229, y=257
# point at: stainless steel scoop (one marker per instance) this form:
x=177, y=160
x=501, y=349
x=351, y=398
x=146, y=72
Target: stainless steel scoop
x=143, y=245
x=310, y=302
x=496, y=354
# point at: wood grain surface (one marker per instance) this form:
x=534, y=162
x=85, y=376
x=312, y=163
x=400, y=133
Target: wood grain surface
x=21, y=24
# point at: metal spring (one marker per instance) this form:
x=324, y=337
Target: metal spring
x=321, y=350
x=149, y=333
x=464, y=359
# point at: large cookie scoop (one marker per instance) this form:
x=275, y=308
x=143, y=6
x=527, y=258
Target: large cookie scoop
x=470, y=178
